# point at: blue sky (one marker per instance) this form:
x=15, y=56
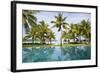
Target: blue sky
x=72, y=17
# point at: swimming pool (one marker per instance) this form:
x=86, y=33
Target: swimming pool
x=46, y=54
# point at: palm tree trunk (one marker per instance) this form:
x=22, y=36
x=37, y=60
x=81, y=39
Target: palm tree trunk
x=61, y=44
x=74, y=40
x=43, y=40
x=50, y=41
x=68, y=41
x=79, y=39
x=32, y=40
x=61, y=38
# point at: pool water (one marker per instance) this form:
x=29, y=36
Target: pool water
x=46, y=54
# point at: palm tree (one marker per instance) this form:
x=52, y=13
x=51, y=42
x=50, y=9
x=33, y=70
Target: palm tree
x=41, y=33
x=86, y=29
x=43, y=30
x=28, y=19
x=73, y=31
x=60, y=23
x=32, y=34
x=50, y=36
x=66, y=36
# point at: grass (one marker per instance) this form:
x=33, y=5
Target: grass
x=48, y=45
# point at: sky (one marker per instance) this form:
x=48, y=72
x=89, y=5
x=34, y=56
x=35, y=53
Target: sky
x=72, y=17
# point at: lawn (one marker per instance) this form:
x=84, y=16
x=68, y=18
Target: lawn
x=48, y=45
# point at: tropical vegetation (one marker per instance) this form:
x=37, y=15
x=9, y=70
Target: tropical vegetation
x=40, y=32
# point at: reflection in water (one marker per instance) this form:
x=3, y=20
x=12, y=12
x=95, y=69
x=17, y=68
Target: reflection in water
x=45, y=54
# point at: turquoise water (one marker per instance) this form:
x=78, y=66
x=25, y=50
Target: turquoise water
x=46, y=54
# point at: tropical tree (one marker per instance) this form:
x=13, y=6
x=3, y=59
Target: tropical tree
x=50, y=36
x=43, y=27
x=74, y=31
x=33, y=34
x=79, y=30
x=28, y=19
x=66, y=36
x=60, y=23
x=86, y=29
x=40, y=32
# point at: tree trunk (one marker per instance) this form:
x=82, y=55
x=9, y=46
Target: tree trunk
x=74, y=40
x=68, y=41
x=32, y=40
x=61, y=38
x=43, y=42
x=50, y=41
x=79, y=39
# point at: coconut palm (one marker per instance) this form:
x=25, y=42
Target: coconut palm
x=33, y=34
x=73, y=31
x=66, y=36
x=43, y=31
x=40, y=32
x=60, y=23
x=50, y=36
x=86, y=29
x=28, y=19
